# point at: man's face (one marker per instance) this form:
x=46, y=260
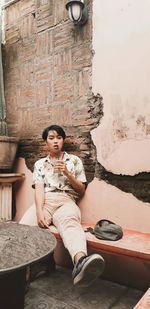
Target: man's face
x=54, y=142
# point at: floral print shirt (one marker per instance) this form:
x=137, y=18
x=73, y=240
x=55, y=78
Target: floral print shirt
x=44, y=173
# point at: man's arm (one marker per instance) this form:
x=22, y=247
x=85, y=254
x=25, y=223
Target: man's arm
x=39, y=202
x=77, y=185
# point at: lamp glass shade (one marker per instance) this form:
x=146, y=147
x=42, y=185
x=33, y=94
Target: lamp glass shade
x=75, y=12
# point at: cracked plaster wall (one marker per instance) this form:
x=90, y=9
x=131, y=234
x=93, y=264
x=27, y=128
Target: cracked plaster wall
x=121, y=69
x=34, y=97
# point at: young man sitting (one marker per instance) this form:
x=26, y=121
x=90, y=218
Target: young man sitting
x=59, y=181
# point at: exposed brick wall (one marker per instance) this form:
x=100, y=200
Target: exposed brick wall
x=48, y=68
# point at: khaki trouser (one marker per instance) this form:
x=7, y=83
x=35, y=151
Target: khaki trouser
x=61, y=210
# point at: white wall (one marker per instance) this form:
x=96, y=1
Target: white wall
x=121, y=73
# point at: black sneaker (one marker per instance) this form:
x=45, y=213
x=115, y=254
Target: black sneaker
x=87, y=269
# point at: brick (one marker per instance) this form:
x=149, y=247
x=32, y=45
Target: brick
x=81, y=57
x=26, y=7
x=27, y=97
x=26, y=50
x=44, y=44
x=56, y=115
x=27, y=26
x=62, y=37
x=84, y=82
x=62, y=62
x=44, y=14
x=12, y=35
x=43, y=71
x=60, y=12
x=11, y=56
x=12, y=15
x=12, y=78
x=63, y=88
x=42, y=93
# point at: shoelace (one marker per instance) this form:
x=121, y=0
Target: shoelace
x=80, y=260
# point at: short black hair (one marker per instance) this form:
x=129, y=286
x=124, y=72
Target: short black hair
x=60, y=131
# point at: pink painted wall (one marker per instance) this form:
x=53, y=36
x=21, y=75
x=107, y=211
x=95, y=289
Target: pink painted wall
x=101, y=201
x=23, y=190
x=106, y=201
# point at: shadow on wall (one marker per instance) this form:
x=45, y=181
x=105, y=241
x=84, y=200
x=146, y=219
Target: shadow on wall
x=138, y=185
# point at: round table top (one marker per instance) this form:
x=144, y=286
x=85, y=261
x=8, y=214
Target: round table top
x=21, y=245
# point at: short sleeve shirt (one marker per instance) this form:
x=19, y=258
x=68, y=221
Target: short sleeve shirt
x=44, y=173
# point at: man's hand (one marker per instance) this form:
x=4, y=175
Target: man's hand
x=60, y=167
x=41, y=219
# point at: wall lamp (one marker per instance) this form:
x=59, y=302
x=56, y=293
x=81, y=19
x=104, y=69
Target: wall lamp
x=77, y=10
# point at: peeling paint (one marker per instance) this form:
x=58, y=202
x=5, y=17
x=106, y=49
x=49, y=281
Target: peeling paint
x=137, y=185
x=128, y=157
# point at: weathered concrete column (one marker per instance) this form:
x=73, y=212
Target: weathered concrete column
x=6, y=181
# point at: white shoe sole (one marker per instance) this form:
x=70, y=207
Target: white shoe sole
x=90, y=271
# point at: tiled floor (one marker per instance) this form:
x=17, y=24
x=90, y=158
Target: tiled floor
x=57, y=292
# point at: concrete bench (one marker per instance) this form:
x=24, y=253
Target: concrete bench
x=127, y=259
x=144, y=302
